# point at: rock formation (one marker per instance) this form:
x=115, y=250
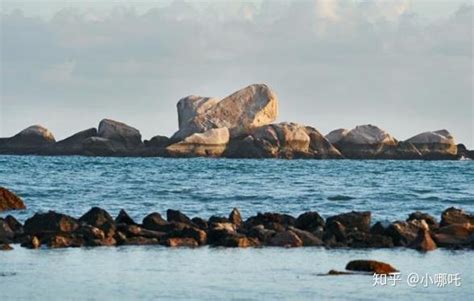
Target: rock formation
x=435, y=145
x=28, y=141
x=211, y=143
x=9, y=201
x=120, y=133
x=240, y=112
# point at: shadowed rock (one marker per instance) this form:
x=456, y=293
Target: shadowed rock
x=73, y=145
x=353, y=220
x=29, y=141
x=456, y=216
x=158, y=142
x=435, y=145
x=50, y=222
x=376, y=267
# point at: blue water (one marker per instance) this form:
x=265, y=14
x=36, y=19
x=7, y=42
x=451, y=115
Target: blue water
x=205, y=187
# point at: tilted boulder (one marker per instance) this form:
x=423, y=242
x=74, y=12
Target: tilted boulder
x=283, y=140
x=73, y=145
x=9, y=201
x=435, y=145
x=120, y=133
x=191, y=106
x=29, y=141
x=240, y=112
x=371, y=142
x=211, y=143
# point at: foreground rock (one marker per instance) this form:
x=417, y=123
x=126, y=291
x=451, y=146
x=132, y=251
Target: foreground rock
x=29, y=141
x=372, y=266
x=371, y=142
x=435, y=145
x=240, y=112
x=10, y=201
x=283, y=140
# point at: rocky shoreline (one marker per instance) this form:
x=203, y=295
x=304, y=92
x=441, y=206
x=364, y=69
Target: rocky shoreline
x=353, y=230
x=237, y=126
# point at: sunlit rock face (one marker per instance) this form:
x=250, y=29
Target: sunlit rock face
x=240, y=112
x=211, y=143
x=29, y=140
x=435, y=145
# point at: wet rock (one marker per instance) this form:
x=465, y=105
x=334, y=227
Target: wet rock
x=430, y=220
x=308, y=239
x=108, y=241
x=139, y=241
x=240, y=241
x=200, y=223
x=5, y=247
x=14, y=224
x=178, y=216
x=154, y=221
x=454, y=236
x=101, y=219
x=6, y=233
x=335, y=232
x=360, y=240
x=235, y=217
x=219, y=232
x=376, y=267
x=197, y=234
x=309, y=221
x=405, y=233
x=218, y=219
x=336, y=273
x=124, y=218
x=262, y=234
x=10, y=201
x=121, y=133
x=50, y=222
x=64, y=241
x=32, y=243
x=353, y=220
x=456, y=216
x=423, y=242
x=286, y=239
x=378, y=228
x=253, y=106
x=134, y=230
x=267, y=219
x=181, y=242
x=89, y=232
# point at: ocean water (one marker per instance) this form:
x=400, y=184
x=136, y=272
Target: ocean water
x=205, y=187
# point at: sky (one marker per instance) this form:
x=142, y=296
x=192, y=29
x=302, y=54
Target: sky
x=405, y=66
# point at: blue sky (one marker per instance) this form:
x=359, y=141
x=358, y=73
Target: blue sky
x=405, y=66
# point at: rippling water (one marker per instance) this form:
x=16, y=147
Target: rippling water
x=204, y=187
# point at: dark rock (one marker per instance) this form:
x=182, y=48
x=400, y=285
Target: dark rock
x=5, y=247
x=72, y=145
x=454, y=236
x=191, y=232
x=64, y=241
x=405, y=233
x=121, y=133
x=134, y=230
x=200, y=223
x=177, y=216
x=181, y=242
x=124, y=218
x=33, y=243
x=430, y=220
x=353, y=220
x=240, y=241
x=158, y=142
x=456, y=216
x=336, y=273
x=6, y=233
x=308, y=239
x=423, y=242
x=378, y=228
x=286, y=239
x=108, y=241
x=90, y=233
x=262, y=234
x=31, y=140
x=140, y=241
x=9, y=201
x=50, y=222
x=309, y=221
x=235, y=217
x=359, y=240
x=335, y=231
x=101, y=219
x=268, y=218
x=154, y=221
x=217, y=220
x=98, y=146
x=372, y=266
x=219, y=233
x=14, y=224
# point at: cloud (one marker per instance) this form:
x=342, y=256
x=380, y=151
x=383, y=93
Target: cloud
x=333, y=64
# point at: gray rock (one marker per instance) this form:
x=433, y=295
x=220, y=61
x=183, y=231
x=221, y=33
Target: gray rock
x=121, y=133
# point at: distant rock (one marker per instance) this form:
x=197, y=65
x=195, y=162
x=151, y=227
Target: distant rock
x=191, y=106
x=211, y=143
x=435, y=145
x=158, y=142
x=10, y=201
x=121, y=133
x=240, y=112
x=98, y=146
x=29, y=141
x=371, y=142
x=72, y=145
x=283, y=140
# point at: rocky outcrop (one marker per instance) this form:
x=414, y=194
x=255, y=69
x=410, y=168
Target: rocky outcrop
x=29, y=141
x=283, y=140
x=371, y=142
x=191, y=106
x=10, y=201
x=73, y=145
x=435, y=145
x=120, y=133
x=211, y=143
x=158, y=141
x=240, y=112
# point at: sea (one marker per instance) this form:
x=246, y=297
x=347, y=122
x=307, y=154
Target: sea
x=204, y=187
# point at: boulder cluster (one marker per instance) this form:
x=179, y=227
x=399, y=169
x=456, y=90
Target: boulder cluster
x=97, y=227
x=240, y=125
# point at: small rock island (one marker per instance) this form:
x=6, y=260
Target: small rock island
x=237, y=126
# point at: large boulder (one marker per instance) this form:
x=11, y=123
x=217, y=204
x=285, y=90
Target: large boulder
x=372, y=266
x=435, y=145
x=191, y=106
x=29, y=141
x=121, y=133
x=73, y=145
x=50, y=223
x=453, y=216
x=283, y=140
x=248, y=108
x=98, y=146
x=211, y=143
x=9, y=201
x=371, y=142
